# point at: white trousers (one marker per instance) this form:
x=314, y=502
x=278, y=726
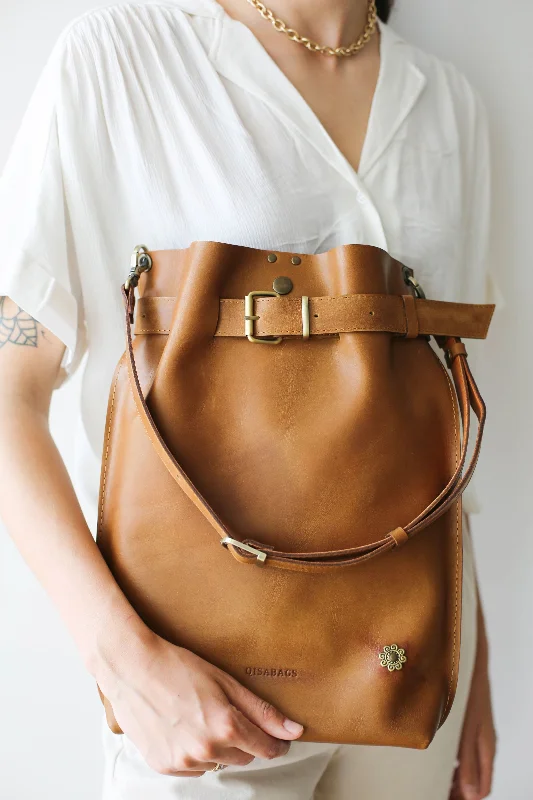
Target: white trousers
x=316, y=771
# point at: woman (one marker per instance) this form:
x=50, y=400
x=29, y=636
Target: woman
x=170, y=122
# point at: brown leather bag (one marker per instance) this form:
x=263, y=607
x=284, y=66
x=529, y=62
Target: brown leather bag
x=329, y=466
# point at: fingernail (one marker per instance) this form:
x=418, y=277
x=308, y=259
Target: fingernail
x=471, y=792
x=293, y=727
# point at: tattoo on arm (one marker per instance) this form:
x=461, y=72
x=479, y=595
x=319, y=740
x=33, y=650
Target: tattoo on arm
x=16, y=325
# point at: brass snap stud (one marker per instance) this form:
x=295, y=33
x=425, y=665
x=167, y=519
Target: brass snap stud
x=272, y=257
x=296, y=260
x=282, y=285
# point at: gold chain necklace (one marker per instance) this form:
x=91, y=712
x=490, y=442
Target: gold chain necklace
x=279, y=25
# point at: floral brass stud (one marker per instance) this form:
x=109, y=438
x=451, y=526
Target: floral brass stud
x=392, y=657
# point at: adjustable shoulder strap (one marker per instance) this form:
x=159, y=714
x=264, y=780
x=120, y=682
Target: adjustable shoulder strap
x=250, y=551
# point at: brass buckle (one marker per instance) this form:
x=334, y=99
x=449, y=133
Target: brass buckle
x=250, y=317
x=235, y=542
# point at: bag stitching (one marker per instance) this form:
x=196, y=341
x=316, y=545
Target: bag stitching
x=108, y=440
x=456, y=604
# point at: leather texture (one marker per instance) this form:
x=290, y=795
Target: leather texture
x=326, y=454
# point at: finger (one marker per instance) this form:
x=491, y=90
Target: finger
x=189, y=774
x=219, y=753
x=261, y=713
x=181, y=769
x=468, y=770
x=228, y=756
x=486, y=753
x=251, y=739
x=454, y=790
x=193, y=766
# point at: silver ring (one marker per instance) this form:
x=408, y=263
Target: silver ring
x=218, y=767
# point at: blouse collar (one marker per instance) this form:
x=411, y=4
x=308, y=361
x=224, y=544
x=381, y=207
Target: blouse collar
x=241, y=58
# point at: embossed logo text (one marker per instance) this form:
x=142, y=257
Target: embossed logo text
x=272, y=672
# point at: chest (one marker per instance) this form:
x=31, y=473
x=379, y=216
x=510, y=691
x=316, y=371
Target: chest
x=339, y=97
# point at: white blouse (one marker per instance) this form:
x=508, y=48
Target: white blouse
x=162, y=123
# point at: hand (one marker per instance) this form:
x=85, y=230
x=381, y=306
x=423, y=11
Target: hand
x=185, y=715
x=473, y=776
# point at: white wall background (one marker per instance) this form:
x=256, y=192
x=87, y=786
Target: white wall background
x=50, y=713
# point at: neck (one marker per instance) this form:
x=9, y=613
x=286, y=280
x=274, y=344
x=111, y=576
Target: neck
x=337, y=23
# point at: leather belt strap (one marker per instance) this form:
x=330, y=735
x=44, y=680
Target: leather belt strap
x=468, y=396
x=403, y=315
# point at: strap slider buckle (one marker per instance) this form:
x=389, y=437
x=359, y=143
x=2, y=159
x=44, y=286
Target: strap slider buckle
x=236, y=543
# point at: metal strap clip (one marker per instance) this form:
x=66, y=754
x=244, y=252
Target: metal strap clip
x=236, y=543
x=141, y=261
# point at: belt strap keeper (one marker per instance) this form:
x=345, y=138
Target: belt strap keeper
x=399, y=536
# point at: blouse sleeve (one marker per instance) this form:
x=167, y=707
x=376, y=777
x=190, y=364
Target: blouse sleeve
x=477, y=279
x=38, y=268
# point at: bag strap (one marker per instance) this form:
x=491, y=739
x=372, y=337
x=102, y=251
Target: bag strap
x=249, y=551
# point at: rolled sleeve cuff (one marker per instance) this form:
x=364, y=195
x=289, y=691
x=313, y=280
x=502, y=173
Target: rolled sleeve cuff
x=30, y=286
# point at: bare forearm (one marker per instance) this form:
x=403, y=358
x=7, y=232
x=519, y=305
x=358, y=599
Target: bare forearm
x=42, y=514
x=151, y=683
